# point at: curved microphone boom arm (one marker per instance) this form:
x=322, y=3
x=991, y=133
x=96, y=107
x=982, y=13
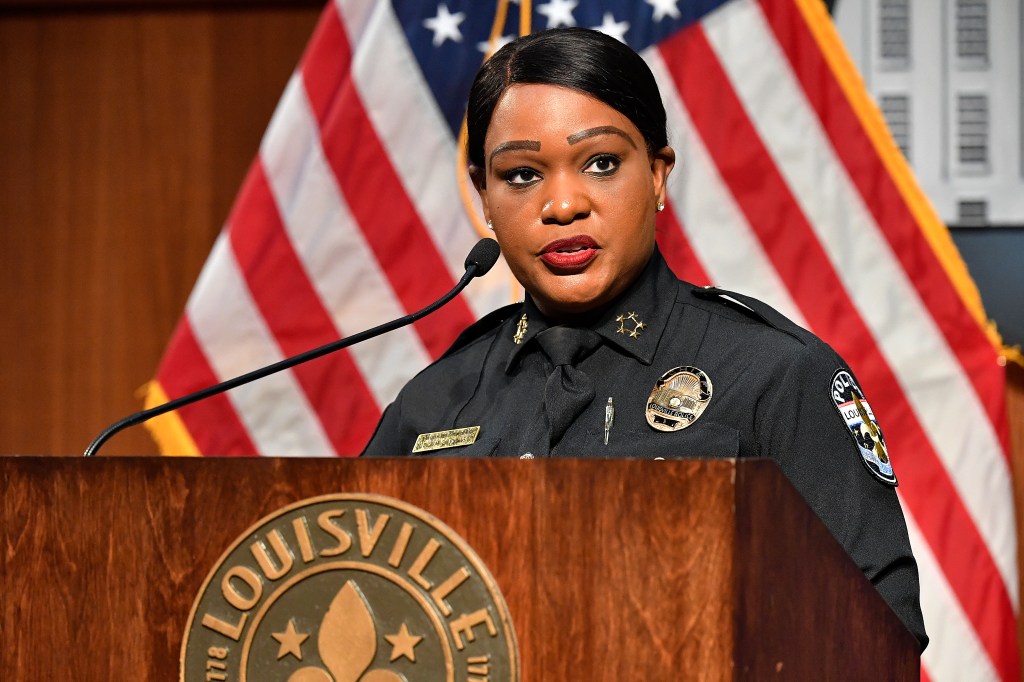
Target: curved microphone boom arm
x=480, y=259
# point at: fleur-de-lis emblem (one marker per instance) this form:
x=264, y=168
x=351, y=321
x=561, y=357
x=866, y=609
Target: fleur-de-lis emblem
x=347, y=643
x=870, y=432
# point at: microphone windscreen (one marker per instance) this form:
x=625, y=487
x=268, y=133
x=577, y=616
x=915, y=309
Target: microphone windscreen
x=484, y=255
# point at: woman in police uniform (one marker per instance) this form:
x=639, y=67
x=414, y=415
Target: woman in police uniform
x=610, y=354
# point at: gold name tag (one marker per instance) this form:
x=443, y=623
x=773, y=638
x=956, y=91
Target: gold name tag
x=446, y=439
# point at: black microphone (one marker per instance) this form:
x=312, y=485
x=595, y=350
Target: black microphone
x=482, y=256
x=480, y=260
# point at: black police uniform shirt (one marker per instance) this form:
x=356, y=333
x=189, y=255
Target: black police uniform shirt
x=772, y=396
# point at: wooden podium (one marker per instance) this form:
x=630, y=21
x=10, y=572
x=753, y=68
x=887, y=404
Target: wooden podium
x=612, y=570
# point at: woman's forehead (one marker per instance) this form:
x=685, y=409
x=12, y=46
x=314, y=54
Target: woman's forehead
x=529, y=111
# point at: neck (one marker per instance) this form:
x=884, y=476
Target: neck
x=587, y=313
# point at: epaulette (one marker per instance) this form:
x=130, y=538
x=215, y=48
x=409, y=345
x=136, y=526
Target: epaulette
x=751, y=307
x=483, y=325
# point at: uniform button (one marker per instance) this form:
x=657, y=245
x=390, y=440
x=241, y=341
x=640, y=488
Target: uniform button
x=527, y=455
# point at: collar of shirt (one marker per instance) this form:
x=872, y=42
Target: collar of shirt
x=649, y=300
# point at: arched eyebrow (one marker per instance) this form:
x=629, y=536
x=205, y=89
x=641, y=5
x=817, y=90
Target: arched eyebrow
x=529, y=145
x=600, y=130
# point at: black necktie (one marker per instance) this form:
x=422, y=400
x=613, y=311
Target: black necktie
x=568, y=390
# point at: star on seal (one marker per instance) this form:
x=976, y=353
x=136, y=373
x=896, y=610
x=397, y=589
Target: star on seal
x=290, y=640
x=403, y=644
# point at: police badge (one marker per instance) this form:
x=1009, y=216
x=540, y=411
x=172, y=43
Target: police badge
x=678, y=398
x=860, y=420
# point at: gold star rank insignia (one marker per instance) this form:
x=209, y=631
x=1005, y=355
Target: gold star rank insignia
x=521, y=329
x=403, y=644
x=632, y=320
x=291, y=641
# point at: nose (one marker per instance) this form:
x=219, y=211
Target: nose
x=566, y=201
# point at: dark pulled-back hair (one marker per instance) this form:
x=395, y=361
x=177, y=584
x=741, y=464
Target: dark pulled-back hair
x=577, y=58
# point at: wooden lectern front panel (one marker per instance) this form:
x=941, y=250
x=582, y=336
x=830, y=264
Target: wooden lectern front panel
x=612, y=570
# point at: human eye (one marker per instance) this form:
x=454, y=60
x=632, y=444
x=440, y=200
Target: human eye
x=521, y=177
x=603, y=165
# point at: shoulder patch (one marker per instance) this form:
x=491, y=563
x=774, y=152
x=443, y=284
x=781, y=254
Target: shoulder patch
x=482, y=326
x=860, y=420
x=753, y=308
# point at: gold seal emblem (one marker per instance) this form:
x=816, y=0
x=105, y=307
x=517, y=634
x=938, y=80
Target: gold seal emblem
x=350, y=588
x=678, y=398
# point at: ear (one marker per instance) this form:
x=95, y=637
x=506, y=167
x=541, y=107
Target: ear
x=479, y=178
x=662, y=163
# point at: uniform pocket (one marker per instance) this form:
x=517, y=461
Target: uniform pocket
x=705, y=439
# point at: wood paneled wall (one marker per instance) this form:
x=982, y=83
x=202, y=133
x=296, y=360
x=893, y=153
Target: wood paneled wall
x=1015, y=408
x=125, y=132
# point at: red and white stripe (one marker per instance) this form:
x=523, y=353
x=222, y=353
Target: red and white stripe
x=346, y=228
x=767, y=174
x=351, y=216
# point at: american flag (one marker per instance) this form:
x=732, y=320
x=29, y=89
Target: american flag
x=788, y=187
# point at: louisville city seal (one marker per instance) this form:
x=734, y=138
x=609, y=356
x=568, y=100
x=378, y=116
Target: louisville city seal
x=350, y=588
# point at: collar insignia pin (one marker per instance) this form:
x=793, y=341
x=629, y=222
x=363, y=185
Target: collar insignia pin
x=521, y=329
x=638, y=326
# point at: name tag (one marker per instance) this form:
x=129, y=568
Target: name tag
x=440, y=440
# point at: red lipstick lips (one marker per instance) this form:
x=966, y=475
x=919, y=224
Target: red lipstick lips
x=571, y=254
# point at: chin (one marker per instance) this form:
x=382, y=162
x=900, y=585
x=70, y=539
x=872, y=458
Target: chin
x=570, y=308
x=573, y=300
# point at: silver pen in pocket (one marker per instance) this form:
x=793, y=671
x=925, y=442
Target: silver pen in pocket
x=609, y=419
